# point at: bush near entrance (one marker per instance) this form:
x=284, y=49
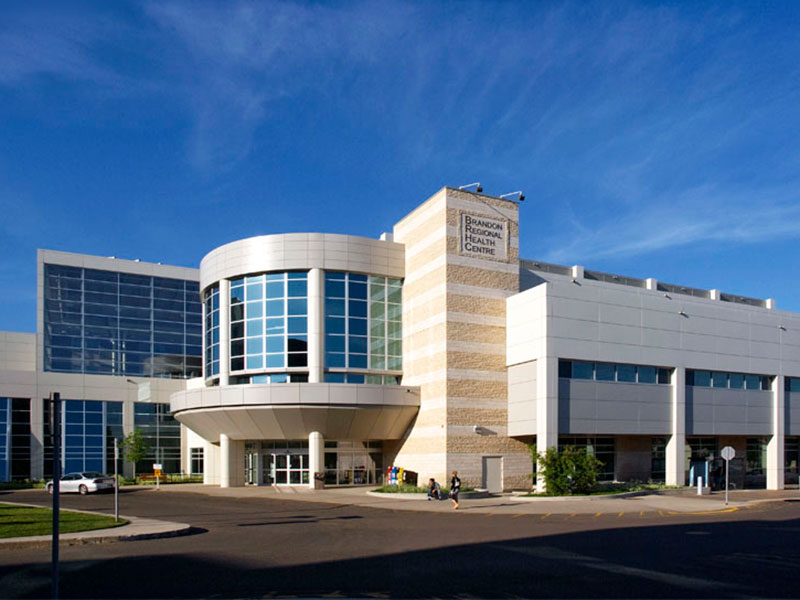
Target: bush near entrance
x=570, y=471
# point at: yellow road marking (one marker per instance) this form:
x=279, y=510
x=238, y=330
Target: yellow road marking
x=518, y=515
x=620, y=514
x=661, y=513
x=641, y=513
x=707, y=512
x=597, y=514
x=547, y=515
x=572, y=514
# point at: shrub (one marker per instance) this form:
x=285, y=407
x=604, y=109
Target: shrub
x=571, y=471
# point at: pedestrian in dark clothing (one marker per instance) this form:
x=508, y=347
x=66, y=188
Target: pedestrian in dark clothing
x=434, y=490
x=455, y=487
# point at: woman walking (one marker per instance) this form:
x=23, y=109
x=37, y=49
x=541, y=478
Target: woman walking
x=455, y=487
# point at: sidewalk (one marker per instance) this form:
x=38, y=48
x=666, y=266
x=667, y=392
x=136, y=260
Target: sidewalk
x=137, y=528
x=672, y=501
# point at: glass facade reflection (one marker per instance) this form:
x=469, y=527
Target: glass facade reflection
x=211, y=301
x=269, y=321
x=162, y=432
x=363, y=324
x=110, y=323
x=88, y=429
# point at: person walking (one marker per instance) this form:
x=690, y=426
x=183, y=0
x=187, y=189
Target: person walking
x=455, y=487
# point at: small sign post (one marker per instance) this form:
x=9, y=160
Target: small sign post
x=727, y=453
x=157, y=472
x=116, y=481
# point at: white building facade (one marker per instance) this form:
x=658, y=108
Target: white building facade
x=435, y=348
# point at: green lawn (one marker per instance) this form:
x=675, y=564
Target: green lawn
x=18, y=521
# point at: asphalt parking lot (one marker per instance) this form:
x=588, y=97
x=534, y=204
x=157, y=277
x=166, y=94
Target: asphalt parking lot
x=265, y=547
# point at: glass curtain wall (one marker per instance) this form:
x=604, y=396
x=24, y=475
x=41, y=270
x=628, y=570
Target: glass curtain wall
x=113, y=323
x=269, y=321
x=211, y=301
x=363, y=328
x=85, y=427
x=163, y=434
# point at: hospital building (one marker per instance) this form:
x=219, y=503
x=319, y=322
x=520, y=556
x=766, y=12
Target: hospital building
x=434, y=347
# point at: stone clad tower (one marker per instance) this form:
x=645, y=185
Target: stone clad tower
x=462, y=262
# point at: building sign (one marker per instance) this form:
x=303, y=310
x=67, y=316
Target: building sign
x=484, y=236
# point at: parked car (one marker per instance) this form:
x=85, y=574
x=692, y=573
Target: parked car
x=82, y=483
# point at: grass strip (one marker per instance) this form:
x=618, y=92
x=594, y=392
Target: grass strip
x=22, y=521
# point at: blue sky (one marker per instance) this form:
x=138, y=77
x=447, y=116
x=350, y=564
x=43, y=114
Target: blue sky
x=651, y=140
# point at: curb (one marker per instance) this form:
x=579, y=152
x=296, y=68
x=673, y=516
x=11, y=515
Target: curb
x=126, y=532
x=424, y=496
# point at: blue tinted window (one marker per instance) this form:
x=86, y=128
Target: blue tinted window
x=334, y=307
x=112, y=307
x=297, y=289
x=626, y=373
x=296, y=306
x=275, y=344
x=297, y=325
x=275, y=289
x=647, y=375
x=582, y=370
x=255, y=362
x=604, y=372
x=275, y=361
x=752, y=382
x=334, y=377
x=358, y=326
x=335, y=360
x=736, y=381
x=719, y=380
x=702, y=378
x=335, y=343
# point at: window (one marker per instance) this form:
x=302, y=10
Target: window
x=197, y=465
x=162, y=432
x=602, y=448
x=734, y=381
x=114, y=323
x=622, y=373
x=363, y=324
x=269, y=321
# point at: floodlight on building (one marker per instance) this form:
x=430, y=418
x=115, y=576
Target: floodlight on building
x=476, y=185
x=518, y=193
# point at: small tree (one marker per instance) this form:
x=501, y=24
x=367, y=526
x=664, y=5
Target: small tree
x=571, y=471
x=534, y=461
x=134, y=448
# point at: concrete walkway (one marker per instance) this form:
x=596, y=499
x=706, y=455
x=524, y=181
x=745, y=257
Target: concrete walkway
x=669, y=501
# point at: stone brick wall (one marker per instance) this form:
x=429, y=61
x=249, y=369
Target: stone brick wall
x=455, y=341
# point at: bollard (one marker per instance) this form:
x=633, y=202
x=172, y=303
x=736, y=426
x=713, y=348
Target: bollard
x=699, y=486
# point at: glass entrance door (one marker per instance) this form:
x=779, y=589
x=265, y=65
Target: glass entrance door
x=286, y=468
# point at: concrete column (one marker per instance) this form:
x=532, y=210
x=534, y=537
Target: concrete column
x=316, y=447
x=37, y=438
x=316, y=325
x=224, y=461
x=775, y=451
x=224, y=331
x=676, y=468
x=546, y=407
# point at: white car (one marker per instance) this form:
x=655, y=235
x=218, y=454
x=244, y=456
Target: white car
x=82, y=483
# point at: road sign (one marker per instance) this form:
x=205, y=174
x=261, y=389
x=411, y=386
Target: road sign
x=727, y=453
x=157, y=466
